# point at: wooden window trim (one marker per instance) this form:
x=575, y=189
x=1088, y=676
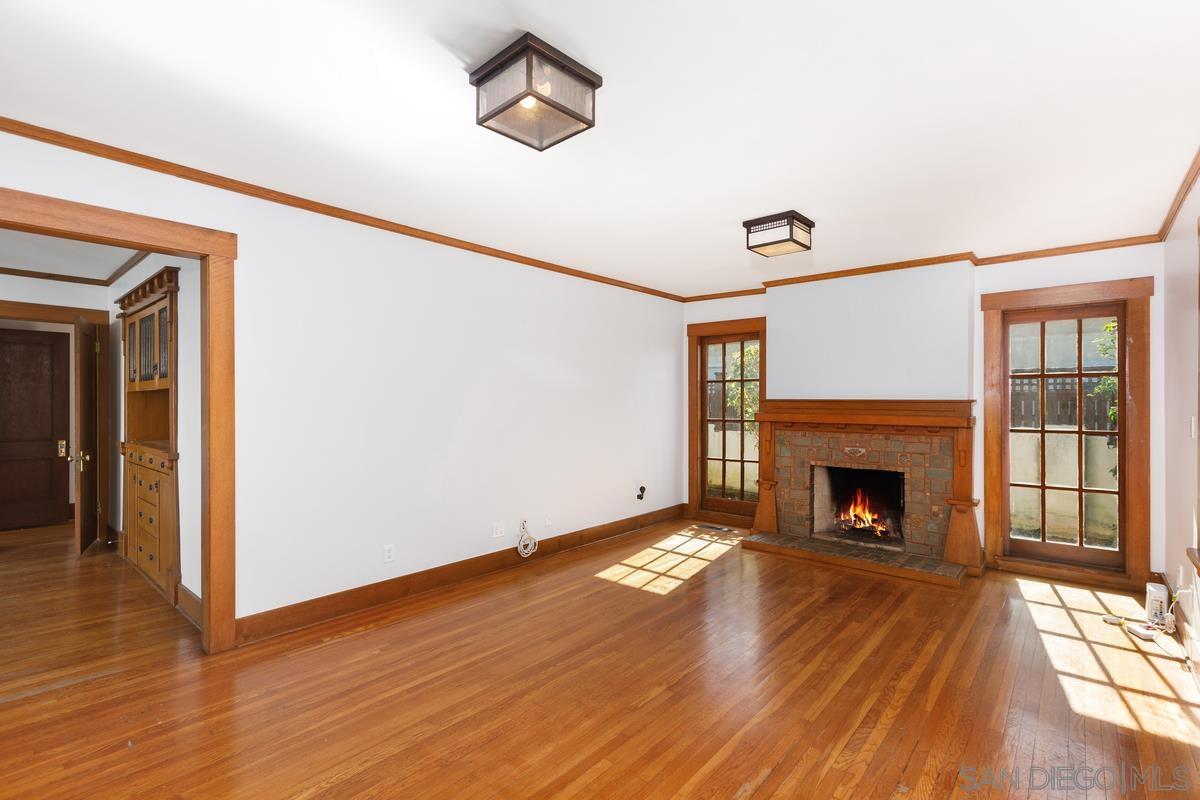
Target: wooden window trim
x=750, y=326
x=1135, y=295
x=217, y=250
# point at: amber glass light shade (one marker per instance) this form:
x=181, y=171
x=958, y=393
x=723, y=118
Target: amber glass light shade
x=779, y=234
x=535, y=94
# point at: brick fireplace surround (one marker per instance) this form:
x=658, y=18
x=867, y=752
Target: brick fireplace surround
x=929, y=441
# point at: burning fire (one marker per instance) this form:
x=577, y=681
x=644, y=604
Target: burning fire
x=859, y=515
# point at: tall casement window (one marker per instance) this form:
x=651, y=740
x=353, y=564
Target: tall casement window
x=726, y=387
x=1064, y=447
x=1067, y=429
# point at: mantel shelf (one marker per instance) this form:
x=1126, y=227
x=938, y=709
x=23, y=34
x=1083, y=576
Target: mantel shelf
x=880, y=413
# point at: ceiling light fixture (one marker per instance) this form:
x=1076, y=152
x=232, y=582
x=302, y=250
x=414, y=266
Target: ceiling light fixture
x=779, y=234
x=534, y=93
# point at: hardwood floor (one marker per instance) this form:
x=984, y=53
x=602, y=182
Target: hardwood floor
x=691, y=669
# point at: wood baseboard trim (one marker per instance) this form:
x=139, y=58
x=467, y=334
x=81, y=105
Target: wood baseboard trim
x=189, y=605
x=1094, y=576
x=321, y=609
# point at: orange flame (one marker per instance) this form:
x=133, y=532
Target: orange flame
x=859, y=514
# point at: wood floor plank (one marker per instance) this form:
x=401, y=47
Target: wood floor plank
x=669, y=663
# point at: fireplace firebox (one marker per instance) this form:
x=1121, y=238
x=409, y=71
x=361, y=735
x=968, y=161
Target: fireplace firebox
x=864, y=506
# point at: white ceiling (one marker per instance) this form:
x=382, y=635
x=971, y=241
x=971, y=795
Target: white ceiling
x=903, y=129
x=37, y=253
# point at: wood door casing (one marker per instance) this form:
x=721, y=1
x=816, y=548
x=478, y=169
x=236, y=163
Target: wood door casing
x=34, y=418
x=87, y=451
x=731, y=511
x=1134, y=294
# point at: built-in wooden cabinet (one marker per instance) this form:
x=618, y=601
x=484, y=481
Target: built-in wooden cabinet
x=150, y=496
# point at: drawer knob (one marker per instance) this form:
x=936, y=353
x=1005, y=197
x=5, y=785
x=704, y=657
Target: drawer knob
x=152, y=520
x=139, y=548
x=152, y=556
x=139, y=514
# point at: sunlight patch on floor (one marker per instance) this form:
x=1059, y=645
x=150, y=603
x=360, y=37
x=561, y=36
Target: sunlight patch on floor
x=665, y=565
x=1104, y=672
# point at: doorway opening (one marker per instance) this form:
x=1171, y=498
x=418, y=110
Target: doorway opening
x=213, y=252
x=53, y=419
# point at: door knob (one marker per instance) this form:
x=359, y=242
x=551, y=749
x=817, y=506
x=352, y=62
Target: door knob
x=80, y=460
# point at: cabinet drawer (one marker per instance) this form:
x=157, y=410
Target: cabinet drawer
x=157, y=462
x=147, y=553
x=149, y=485
x=147, y=517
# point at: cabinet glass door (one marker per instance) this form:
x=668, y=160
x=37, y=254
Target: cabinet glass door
x=147, y=351
x=131, y=356
x=164, y=354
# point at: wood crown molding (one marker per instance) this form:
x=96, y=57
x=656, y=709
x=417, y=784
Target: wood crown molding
x=1071, y=295
x=120, y=155
x=895, y=265
x=1181, y=194
x=700, y=298
x=52, y=276
x=321, y=609
x=129, y=264
x=90, y=147
x=133, y=261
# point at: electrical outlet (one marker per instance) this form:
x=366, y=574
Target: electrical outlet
x=547, y=519
x=389, y=553
x=497, y=530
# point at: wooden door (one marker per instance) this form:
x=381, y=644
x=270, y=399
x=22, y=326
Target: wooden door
x=86, y=458
x=34, y=421
x=731, y=368
x=1065, y=453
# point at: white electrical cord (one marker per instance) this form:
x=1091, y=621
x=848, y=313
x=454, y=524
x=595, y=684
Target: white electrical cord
x=526, y=545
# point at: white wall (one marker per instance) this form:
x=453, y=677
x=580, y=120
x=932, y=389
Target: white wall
x=390, y=390
x=1101, y=265
x=187, y=381
x=37, y=290
x=1181, y=262
x=888, y=335
x=55, y=327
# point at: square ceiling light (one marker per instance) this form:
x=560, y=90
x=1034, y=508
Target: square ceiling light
x=534, y=93
x=779, y=234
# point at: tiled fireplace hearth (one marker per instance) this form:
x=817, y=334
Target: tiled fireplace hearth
x=875, y=484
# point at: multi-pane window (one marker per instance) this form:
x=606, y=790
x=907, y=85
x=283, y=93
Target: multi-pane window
x=732, y=370
x=1064, y=443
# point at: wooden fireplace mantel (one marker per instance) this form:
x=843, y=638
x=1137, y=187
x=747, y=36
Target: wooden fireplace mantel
x=868, y=413
x=946, y=417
